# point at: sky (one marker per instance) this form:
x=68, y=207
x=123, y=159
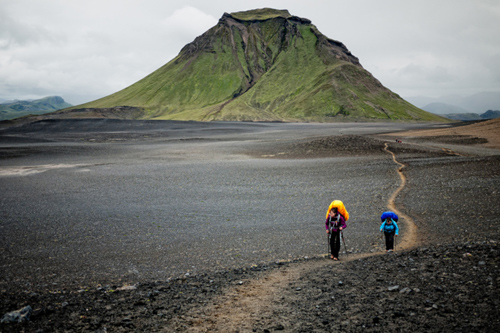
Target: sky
x=82, y=50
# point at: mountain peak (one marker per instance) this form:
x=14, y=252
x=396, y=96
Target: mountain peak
x=263, y=64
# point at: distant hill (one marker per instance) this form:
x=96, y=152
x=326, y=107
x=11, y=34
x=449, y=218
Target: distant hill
x=16, y=109
x=457, y=113
x=490, y=114
x=258, y=65
x=463, y=116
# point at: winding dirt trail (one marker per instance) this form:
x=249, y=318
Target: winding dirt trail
x=243, y=305
x=410, y=238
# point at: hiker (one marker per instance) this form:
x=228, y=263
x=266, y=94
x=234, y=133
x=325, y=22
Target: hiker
x=390, y=229
x=334, y=224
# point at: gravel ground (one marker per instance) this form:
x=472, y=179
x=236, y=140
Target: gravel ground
x=161, y=226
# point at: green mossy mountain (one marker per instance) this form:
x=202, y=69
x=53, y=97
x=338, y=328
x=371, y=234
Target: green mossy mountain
x=263, y=65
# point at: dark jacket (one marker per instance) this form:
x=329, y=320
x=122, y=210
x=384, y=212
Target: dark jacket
x=333, y=224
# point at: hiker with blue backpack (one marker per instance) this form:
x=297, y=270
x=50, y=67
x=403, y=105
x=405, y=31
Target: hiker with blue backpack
x=390, y=229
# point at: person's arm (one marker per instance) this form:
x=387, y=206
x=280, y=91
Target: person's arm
x=342, y=222
x=327, y=225
x=397, y=228
x=382, y=227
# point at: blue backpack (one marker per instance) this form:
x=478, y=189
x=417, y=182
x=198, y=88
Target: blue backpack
x=388, y=215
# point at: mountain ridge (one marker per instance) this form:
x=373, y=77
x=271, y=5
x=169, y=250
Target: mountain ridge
x=19, y=108
x=490, y=114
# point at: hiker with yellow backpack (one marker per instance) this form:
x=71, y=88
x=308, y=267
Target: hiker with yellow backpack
x=336, y=218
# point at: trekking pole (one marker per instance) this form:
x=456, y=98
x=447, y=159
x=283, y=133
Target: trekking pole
x=343, y=241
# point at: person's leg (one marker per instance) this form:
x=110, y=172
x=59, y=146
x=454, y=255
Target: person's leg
x=390, y=241
x=332, y=244
x=387, y=243
x=336, y=244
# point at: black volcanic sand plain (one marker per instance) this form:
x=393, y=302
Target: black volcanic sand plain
x=147, y=226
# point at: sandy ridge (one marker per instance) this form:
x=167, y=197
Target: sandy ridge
x=488, y=130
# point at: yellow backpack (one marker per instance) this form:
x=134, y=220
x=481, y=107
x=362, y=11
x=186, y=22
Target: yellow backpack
x=340, y=208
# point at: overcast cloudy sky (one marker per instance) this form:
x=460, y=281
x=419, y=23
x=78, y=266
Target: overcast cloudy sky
x=86, y=49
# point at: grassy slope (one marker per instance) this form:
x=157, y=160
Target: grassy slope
x=190, y=85
x=318, y=91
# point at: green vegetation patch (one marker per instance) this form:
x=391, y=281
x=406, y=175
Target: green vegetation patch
x=260, y=14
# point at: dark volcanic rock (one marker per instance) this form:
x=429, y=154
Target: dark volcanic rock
x=448, y=283
x=437, y=286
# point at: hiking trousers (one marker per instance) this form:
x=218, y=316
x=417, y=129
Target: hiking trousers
x=389, y=240
x=335, y=243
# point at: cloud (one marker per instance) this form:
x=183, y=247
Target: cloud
x=439, y=75
x=11, y=32
x=187, y=23
x=425, y=47
x=95, y=48
x=69, y=48
x=434, y=74
x=411, y=71
x=492, y=66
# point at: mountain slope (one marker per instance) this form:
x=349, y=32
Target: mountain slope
x=17, y=109
x=263, y=64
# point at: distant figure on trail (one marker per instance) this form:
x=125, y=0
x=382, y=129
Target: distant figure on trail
x=336, y=218
x=390, y=229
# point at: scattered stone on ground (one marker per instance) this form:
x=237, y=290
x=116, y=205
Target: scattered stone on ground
x=451, y=287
